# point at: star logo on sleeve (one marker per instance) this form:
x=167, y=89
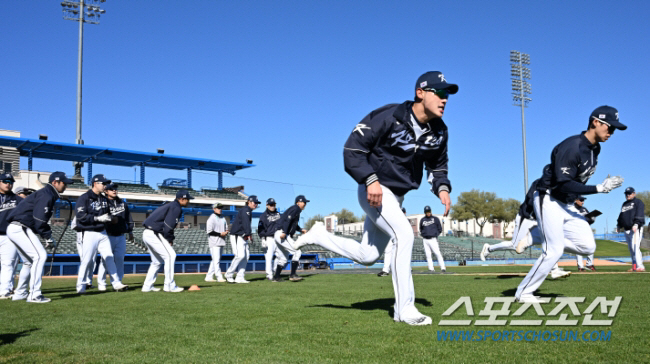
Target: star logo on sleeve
x=565, y=170
x=80, y=208
x=360, y=127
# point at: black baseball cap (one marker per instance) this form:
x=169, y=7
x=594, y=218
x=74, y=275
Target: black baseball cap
x=301, y=198
x=270, y=201
x=435, y=80
x=59, y=176
x=581, y=198
x=253, y=198
x=427, y=208
x=629, y=190
x=7, y=176
x=607, y=115
x=184, y=194
x=100, y=178
x=111, y=186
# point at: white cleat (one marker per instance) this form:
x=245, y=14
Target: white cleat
x=522, y=245
x=175, y=289
x=152, y=289
x=6, y=296
x=101, y=288
x=559, y=273
x=304, y=239
x=221, y=280
x=529, y=298
x=241, y=281
x=229, y=278
x=119, y=287
x=39, y=299
x=419, y=321
x=485, y=251
x=210, y=280
x=19, y=297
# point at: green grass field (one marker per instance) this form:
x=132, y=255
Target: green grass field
x=327, y=318
x=608, y=248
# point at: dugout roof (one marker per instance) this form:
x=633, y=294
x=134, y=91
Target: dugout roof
x=115, y=157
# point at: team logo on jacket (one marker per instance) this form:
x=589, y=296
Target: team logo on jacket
x=584, y=176
x=360, y=127
x=565, y=170
x=403, y=138
x=628, y=207
x=434, y=140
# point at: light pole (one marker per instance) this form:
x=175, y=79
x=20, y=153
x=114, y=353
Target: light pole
x=83, y=11
x=520, y=92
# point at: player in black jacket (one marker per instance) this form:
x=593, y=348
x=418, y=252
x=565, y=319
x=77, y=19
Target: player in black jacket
x=386, y=154
x=121, y=224
x=8, y=253
x=631, y=221
x=159, y=237
x=240, y=236
x=430, y=229
x=573, y=162
x=284, y=240
x=268, y=224
x=29, y=218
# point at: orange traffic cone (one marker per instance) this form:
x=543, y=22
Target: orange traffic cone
x=194, y=287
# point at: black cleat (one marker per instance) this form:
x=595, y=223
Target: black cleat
x=382, y=274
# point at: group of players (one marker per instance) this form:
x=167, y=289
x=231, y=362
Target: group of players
x=385, y=154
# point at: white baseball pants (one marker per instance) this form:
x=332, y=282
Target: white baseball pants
x=634, y=245
x=382, y=224
x=284, y=247
x=80, y=250
x=431, y=246
x=215, y=267
x=93, y=242
x=33, y=255
x=118, y=246
x=562, y=228
x=161, y=253
x=588, y=258
x=9, y=261
x=242, y=253
x=270, y=252
x=388, y=256
x=524, y=229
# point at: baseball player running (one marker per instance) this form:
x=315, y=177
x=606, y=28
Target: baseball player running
x=92, y=216
x=8, y=252
x=29, y=218
x=388, y=256
x=385, y=154
x=284, y=240
x=579, y=205
x=268, y=224
x=217, y=229
x=430, y=229
x=240, y=235
x=631, y=221
x=121, y=224
x=573, y=162
x=159, y=237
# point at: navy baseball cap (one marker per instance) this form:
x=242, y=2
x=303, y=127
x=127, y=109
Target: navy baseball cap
x=435, y=80
x=100, y=178
x=111, y=186
x=184, y=194
x=301, y=198
x=427, y=208
x=7, y=176
x=253, y=198
x=59, y=176
x=581, y=198
x=607, y=115
x=629, y=190
x=270, y=201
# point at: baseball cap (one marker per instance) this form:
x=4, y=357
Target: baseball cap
x=607, y=115
x=218, y=205
x=629, y=190
x=7, y=176
x=59, y=176
x=270, y=201
x=435, y=79
x=301, y=198
x=253, y=198
x=101, y=178
x=184, y=194
x=581, y=198
x=111, y=186
x=427, y=208
x=23, y=190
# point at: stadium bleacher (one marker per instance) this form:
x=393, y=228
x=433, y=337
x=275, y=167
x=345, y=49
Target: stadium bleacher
x=78, y=185
x=222, y=194
x=135, y=188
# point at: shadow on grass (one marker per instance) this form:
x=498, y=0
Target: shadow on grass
x=511, y=293
x=385, y=304
x=10, y=338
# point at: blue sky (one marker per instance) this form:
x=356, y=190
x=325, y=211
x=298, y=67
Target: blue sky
x=283, y=83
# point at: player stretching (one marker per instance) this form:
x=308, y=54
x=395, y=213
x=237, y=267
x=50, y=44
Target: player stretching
x=631, y=221
x=29, y=218
x=562, y=228
x=385, y=154
x=240, y=235
x=159, y=237
x=284, y=240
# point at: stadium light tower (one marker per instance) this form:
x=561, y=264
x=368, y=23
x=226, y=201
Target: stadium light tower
x=520, y=74
x=83, y=11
